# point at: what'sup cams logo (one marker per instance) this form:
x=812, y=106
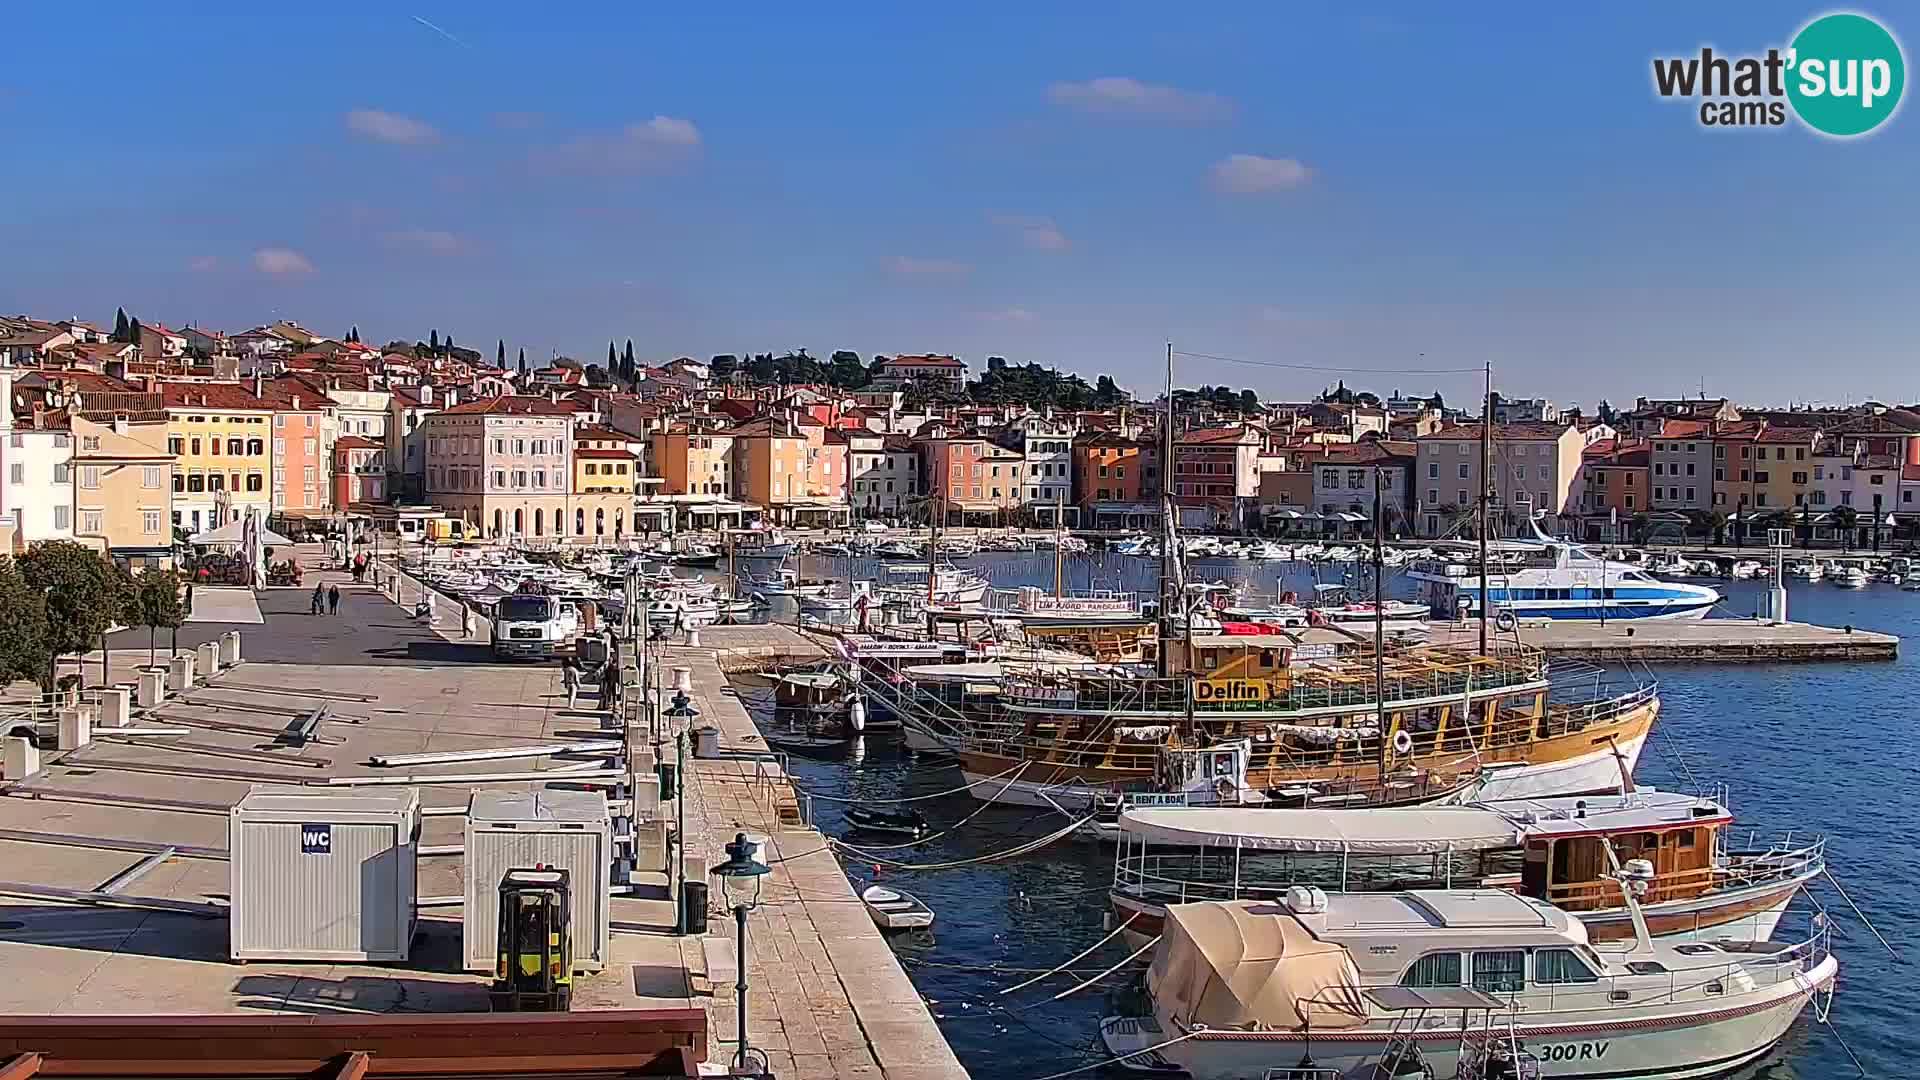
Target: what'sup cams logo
x=1842, y=76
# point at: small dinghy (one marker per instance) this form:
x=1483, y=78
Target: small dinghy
x=894, y=822
x=895, y=910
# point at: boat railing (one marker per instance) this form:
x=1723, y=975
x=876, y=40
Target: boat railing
x=1744, y=869
x=1574, y=716
x=1759, y=965
x=1046, y=691
x=1184, y=877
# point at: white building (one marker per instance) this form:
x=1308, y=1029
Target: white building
x=36, y=474
x=1047, y=442
x=883, y=474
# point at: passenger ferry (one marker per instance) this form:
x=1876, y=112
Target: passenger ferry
x=1069, y=736
x=1547, y=578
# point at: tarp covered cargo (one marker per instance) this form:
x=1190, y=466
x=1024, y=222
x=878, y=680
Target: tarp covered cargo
x=1249, y=964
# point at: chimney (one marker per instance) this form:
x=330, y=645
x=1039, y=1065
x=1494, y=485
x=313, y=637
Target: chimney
x=426, y=393
x=256, y=384
x=296, y=403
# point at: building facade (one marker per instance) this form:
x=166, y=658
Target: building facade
x=359, y=472
x=1218, y=470
x=218, y=435
x=1536, y=467
x=1680, y=467
x=123, y=492
x=885, y=474
x=504, y=464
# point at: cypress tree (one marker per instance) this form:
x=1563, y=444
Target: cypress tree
x=500, y=355
x=613, y=361
x=133, y=332
x=523, y=359
x=449, y=343
x=626, y=360
x=120, y=324
x=433, y=341
x=353, y=335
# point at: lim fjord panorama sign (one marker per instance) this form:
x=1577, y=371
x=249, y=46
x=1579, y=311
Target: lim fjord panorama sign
x=1842, y=75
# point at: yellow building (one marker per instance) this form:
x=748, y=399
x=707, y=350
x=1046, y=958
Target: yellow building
x=604, y=470
x=122, y=489
x=218, y=434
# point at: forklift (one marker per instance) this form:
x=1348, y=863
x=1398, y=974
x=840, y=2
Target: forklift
x=534, y=969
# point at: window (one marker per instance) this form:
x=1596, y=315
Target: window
x=176, y=445
x=1433, y=496
x=1689, y=494
x=1689, y=468
x=1719, y=473
x=1433, y=969
x=1559, y=967
x=196, y=447
x=1799, y=478
x=1877, y=478
x=1657, y=467
x=63, y=517
x=1462, y=500
x=237, y=447
x=196, y=482
x=61, y=472
x=1629, y=502
x=1846, y=497
x=499, y=478
x=90, y=522
x=1502, y=971
x=1546, y=472
x=149, y=522
x=307, y=476
x=279, y=420
x=213, y=447
x=17, y=474
x=1759, y=477
x=1720, y=452
x=256, y=482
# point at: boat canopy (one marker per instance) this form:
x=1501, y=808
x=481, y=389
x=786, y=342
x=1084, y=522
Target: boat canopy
x=1384, y=831
x=1245, y=963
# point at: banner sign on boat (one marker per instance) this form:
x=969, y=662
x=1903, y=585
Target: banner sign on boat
x=1231, y=690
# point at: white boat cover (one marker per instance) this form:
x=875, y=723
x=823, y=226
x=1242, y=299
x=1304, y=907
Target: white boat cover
x=1385, y=831
x=1251, y=964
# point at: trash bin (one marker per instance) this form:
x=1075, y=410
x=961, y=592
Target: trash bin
x=693, y=905
x=669, y=779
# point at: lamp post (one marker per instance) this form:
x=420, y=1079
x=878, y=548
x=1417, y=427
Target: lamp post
x=740, y=882
x=682, y=712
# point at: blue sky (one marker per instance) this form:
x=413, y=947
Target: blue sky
x=1074, y=184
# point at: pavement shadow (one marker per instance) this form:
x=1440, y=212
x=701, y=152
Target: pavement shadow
x=359, y=994
x=161, y=934
x=437, y=652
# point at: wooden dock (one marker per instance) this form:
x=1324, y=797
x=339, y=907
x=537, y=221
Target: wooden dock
x=1695, y=641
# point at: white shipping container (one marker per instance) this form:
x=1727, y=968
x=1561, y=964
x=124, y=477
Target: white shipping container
x=566, y=830
x=323, y=875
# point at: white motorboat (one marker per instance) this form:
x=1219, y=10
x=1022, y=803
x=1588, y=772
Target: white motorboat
x=894, y=909
x=786, y=582
x=1134, y=545
x=1553, y=579
x=837, y=598
x=1239, y=987
x=683, y=610
x=1911, y=582
x=952, y=586
x=1268, y=551
x=897, y=549
x=1743, y=569
x=1851, y=577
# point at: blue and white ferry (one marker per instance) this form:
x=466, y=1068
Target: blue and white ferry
x=1545, y=578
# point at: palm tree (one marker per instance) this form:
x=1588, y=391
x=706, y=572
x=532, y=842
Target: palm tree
x=1717, y=524
x=1846, y=520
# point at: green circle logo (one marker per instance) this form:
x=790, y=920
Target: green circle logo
x=1845, y=75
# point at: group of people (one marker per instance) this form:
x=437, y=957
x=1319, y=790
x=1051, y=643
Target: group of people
x=326, y=600
x=573, y=673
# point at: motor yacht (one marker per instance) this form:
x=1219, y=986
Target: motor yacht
x=1547, y=578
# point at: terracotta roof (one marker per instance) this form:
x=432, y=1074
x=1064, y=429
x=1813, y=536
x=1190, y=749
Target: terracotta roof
x=622, y=455
x=356, y=442
x=280, y=393
x=599, y=431
x=1218, y=435
x=1771, y=434
x=510, y=405
x=922, y=361
x=1685, y=429
x=209, y=395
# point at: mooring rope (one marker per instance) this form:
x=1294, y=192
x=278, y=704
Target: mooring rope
x=1076, y=958
x=915, y=798
x=1123, y=1057
x=955, y=827
x=1137, y=953
x=1022, y=849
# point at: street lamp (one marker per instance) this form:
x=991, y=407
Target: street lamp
x=740, y=883
x=683, y=713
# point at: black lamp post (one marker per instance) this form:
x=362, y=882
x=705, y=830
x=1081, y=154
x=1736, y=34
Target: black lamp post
x=740, y=881
x=682, y=712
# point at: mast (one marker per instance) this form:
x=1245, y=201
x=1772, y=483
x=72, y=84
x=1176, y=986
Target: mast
x=1171, y=533
x=1380, y=623
x=1486, y=495
x=1059, y=556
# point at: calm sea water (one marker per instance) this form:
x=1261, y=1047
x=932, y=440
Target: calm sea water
x=1822, y=747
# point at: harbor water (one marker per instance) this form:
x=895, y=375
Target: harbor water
x=1827, y=748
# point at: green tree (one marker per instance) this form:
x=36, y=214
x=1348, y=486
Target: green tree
x=353, y=335
x=627, y=361
x=500, y=355
x=613, y=357
x=84, y=596
x=523, y=359
x=723, y=367
x=845, y=370
x=433, y=340
x=1846, y=519
x=1717, y=522
x=157, y=598
x=120, y=324
x=23, y=632
x=1249, y=403
x=133, y=332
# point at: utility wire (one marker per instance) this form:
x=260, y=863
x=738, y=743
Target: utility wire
x=1329, y=367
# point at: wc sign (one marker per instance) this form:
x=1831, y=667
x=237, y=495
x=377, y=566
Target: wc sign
x=316, y=839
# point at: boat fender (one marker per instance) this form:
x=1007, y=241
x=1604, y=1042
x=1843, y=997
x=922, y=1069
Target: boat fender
x=1402, y=743
x=1505, y=620
x=857, y=715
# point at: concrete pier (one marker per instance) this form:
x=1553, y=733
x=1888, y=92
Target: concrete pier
x=1655, y=641
x=826, y=998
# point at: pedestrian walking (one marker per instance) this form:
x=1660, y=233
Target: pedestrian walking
x=570, y=679
x=319, y=599
x=466, y=619
x=609, y=686
x=333, y=600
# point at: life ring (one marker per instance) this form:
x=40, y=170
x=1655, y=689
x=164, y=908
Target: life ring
x=1504, y=620
x=1402, y=743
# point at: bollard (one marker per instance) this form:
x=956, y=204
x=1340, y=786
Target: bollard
x=706, y=742
x=153, y=687
x=76, y=728
x=19, y=758
x=646, y=798
x=693, y=639
x=116, y=706
x=230, y=649
x=180, y=674
x=206, y=659
x=683, y=680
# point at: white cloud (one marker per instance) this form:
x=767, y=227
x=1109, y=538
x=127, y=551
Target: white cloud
x=431, y=241
x=1251, y=174
x=1009, y=315
x=649, y=144
x=1038, y=233
x=203, y=263
x=281, y=261
x=1119, y=94
x=389, y=127
x=909, y=266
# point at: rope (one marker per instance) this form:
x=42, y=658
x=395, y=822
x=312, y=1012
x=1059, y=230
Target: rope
x=1137, y=953
x=1033, y=845
x=1075, y=959
x=915, y=798
x=955, y=827
x=1124, y=1057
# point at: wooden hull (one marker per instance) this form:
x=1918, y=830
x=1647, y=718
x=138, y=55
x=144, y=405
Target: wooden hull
x=1576, y=763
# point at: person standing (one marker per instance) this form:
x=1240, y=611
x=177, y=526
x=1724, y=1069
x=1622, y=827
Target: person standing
x=570, y=679
x=466, y=619
x=333, y=600
x=319, y=600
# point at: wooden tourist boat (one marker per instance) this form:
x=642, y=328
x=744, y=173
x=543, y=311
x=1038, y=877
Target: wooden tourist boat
x=1702, y=885
x=1070, y=736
